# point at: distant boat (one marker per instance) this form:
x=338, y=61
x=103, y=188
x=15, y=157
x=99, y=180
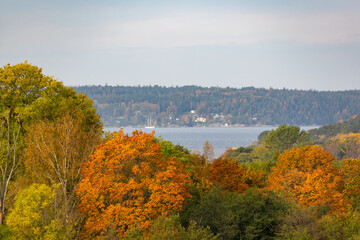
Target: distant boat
x=149, y=124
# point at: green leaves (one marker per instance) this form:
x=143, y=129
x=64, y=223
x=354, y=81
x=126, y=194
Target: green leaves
x=256, y=214
x=286, y=137
x=27, y=97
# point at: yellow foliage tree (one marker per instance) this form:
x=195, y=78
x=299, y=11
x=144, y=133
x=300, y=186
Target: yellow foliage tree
x=54, y=154
x=33, y=214
x=351, y=173
x=345, y=145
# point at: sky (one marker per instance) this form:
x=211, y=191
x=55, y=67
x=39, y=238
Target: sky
x=307, y=44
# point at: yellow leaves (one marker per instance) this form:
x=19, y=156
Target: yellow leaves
x=351, y=173
x=349, y=137
x=55, y=151
x=33, y=211
x=345, y=145
x=255, y=178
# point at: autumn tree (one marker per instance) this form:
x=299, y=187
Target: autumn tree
x=345, y=145
x=20, y=86
x=229, y=174
x=255, y=178
x=28, y=96
x=351, y=173
x=54, y=154
x=308, y=176
x=129, y=182
x=33, y=214
x=208, y=152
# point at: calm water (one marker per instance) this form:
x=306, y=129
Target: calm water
x=220, y=138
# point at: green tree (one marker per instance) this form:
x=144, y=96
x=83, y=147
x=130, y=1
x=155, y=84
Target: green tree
x=28, y=96
x=298, y=224
x=20, y=86
x=213, y=209
x=170, y=228
x=286, y=137
x=256, y=214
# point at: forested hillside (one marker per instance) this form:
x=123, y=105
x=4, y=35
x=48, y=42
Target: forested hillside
x=193, y=105
x=324, y=133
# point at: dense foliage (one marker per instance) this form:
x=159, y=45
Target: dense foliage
x=120, y=105
x=308, y=175
x=129, y=183
x=62, y=179
x=28, y=97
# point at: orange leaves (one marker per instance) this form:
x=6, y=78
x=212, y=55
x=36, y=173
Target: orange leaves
x=255, y=178
x=229, y=174
x=169, y=191
x=308, y=176
x=304, y=159
x=322, y=188
x=129, y=182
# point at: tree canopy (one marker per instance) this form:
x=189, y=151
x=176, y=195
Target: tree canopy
x=128, y=182
x=286, y=137
x=308, y=176
x=27, y=97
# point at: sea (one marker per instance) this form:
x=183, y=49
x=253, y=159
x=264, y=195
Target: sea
x=221, y=138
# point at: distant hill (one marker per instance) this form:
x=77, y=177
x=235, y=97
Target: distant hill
x=324, y=133
x=193, y=105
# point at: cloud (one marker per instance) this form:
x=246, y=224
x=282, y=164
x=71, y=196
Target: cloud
x=213, y=28
x=177, y=29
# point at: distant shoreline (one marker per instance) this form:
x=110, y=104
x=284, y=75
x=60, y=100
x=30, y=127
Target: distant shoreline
x=231, y=126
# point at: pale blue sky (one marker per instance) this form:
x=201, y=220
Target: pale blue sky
x=266, y=43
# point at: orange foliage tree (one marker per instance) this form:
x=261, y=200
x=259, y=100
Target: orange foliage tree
x=308, y=176
x=128, y=183
x=229, y=174
x=255, y=178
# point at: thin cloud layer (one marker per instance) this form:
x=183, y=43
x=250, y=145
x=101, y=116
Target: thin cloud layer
x=211, y=28
x=294, y=44
x=184, y=29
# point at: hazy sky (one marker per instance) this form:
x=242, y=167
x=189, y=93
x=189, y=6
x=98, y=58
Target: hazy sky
x=308, y=44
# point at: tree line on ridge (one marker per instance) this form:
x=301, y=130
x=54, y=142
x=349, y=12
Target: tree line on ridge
x=214, y=106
